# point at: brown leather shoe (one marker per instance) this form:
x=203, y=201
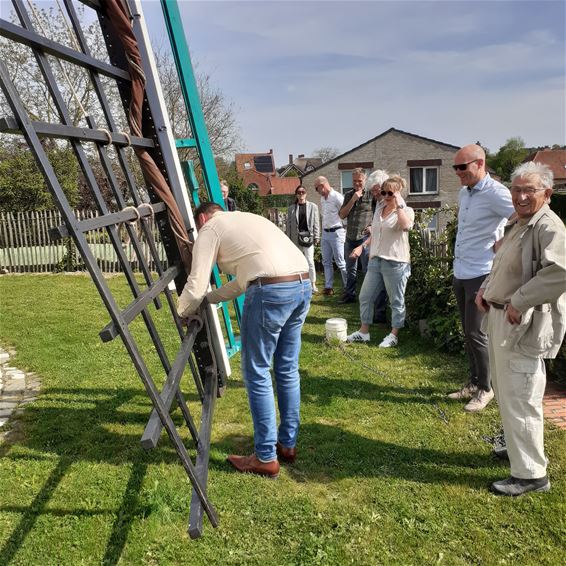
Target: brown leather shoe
x=288, y=455
x=328, y=291
x=251, y=465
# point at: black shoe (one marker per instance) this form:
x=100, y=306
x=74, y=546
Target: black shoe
x=501, y=452
x=347, y=299
x=515, y=486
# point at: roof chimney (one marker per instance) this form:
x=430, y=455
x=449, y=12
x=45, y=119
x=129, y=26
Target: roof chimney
x=290, y=159
x=301, y=155
x=271, y=151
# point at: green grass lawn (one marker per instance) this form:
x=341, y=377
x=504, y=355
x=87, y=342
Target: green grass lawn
x=388, y=472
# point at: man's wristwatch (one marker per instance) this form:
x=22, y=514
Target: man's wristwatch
x=401, y=206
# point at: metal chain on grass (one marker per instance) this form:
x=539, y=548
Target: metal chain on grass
x=441, y=413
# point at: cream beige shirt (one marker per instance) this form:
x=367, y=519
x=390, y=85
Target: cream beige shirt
x=244, y=245
x=507, y=271
x=388, y=241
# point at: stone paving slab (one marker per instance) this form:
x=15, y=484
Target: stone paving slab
x=17, y=388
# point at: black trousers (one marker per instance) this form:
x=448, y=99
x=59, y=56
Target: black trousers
x=465, y=291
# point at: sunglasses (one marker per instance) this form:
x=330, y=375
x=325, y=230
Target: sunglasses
x=301, y=192
x=463, y=166
x=388, y=193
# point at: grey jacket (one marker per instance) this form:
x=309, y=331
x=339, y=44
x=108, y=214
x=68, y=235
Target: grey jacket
x=542, y=297
x=313, y=222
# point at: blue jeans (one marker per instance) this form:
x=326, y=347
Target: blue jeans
x=271, y=331
x=391, y=276
x=352, y=265
x=332, y=246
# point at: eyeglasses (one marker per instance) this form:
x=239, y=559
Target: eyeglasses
x=530, y=191
x=301, y=192
x=463, y=166
x=389, y=193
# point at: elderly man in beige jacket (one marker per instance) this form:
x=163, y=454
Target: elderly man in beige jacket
x=525, y=297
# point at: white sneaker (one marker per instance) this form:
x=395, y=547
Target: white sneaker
x=467, y=392
x=479, y=401
x=389, y=341
x=358, y=337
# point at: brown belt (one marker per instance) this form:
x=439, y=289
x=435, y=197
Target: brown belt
x=497, y=306
x=280, y=279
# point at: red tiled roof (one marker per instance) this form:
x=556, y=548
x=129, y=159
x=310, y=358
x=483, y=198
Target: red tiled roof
x=554, y=158
x=243, y=158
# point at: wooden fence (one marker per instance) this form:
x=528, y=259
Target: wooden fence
x=26, y=246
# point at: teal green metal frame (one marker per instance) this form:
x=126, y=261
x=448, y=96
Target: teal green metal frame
x=200, y=141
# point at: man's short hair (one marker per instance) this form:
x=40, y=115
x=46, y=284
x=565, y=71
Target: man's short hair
x=532, y=168
x=224, y=182
x=207, y=208
x=359, y=171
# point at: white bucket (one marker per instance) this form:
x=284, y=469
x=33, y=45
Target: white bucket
x=336, y=329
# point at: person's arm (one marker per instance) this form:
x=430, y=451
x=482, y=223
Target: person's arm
x=548, y=283
x=288, y=223
x=358, y=250
x=316, y=223
x=227, y=292
x=350, y=200
x=404, y=217
x=205, y=251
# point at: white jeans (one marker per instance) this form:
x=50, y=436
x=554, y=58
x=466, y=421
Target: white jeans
x=309, y=255
x=518, y=382
x=332, y=246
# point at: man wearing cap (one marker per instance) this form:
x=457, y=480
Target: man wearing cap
x=273, y=273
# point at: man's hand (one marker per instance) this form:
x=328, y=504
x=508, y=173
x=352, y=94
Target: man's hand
x=358, y=194
x=357, y=252
x=513, y=315
x=481, y=303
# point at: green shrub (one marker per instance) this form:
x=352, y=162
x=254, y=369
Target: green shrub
x=429, y=295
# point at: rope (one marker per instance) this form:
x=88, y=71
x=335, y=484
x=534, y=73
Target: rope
x=441, y=414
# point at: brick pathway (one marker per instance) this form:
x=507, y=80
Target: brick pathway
x=555, y=404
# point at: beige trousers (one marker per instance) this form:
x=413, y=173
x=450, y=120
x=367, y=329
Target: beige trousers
x=518, y=382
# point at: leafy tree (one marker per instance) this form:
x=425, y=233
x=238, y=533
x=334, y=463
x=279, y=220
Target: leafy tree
x=326, y=153
x=75, y=85
x=511, y=154
x=22, y=186
x=246, y=199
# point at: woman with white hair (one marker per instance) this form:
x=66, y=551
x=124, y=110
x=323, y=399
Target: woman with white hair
x=389, y=264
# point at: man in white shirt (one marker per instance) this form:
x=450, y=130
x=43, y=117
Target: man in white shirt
x=333, y=233
x=273, y=273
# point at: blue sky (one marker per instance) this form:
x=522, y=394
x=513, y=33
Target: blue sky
x=309, y=74
x=306, y=74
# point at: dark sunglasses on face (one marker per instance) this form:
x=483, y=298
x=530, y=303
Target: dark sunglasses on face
x=389, y=193
x=462, y=166
x=301, y=192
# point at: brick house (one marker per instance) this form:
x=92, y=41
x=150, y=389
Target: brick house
x=258, y=173
x=426, y=164
x=556, y=160
x=300, y=165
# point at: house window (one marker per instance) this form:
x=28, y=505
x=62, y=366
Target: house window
x=346, y=181
x=247, y=165
x=423, y=180
x=433, y=224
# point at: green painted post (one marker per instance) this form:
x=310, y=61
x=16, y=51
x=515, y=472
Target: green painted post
x=200, y=140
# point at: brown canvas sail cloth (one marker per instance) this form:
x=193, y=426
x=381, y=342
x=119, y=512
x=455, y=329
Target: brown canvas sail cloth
x=119, y=16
